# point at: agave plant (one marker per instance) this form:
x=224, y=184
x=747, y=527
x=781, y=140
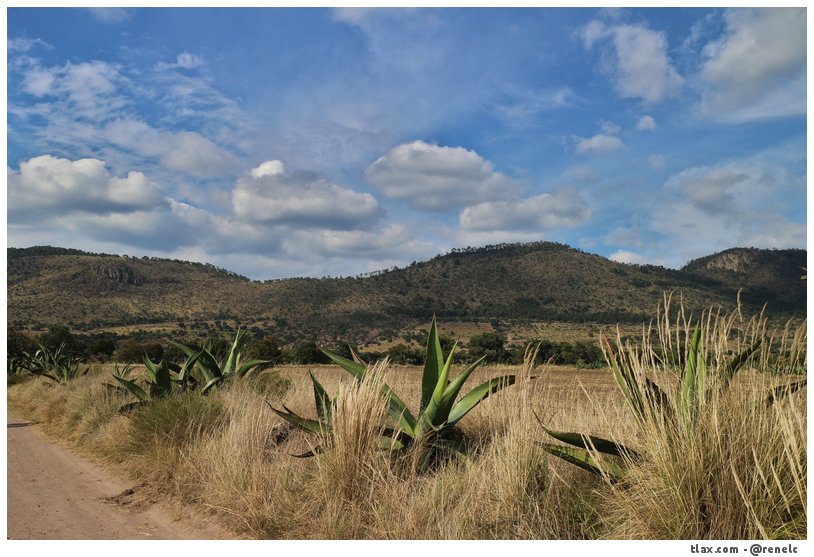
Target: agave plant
x=205, y=368
x=649, y=404
x=433, y=430
x=326, y=407
x=161, y=379
x=57, y=365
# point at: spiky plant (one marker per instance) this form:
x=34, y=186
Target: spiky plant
x=432, y=432
x=677, y=415
x=163, y=378
x=57, y=365
x=325, y=408
x=206, y=369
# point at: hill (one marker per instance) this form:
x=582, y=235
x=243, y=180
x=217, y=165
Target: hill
x=515, y=283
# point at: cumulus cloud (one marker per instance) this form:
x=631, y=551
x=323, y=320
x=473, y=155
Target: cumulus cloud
x=746, y=202
x=435, y=178
x=635, y=58
x=646, y=123
x=47, y=184
x=600, y=143
x=269, y=195
x=563, y=209
x=757, y=68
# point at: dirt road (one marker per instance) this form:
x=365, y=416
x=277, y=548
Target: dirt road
x=55, y=495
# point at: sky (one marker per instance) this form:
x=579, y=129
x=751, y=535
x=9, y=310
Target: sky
x=332, y=142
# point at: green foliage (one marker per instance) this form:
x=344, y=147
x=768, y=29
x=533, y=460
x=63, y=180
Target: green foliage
x=208, y=365
x=266, y=349
x=18, y=343
x=103, y=347
x=163, y=379
x=433, y=429
x=491, y=347
x=59, y=337
x=57, y=365
x=405, y=355
x=133, y=351
x=305, y=353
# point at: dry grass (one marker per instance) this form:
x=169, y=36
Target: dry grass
x=742, y=474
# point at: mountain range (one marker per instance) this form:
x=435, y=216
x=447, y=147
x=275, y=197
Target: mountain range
x=508, y=283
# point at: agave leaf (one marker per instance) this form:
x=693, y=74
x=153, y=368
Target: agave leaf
x=247, y=368
x=454, y=387
x=587, y=442
x=390, y=443
x=736, y=363
x=189, y=351
x=436, y=413
x=478, y=394
x=211, y=383
x=396, y=408
x=233, y=358
x=163, y=380
x=321, y=399
x=584, y=460
x=693, y=380
x=785, y=390
x=208, y=365
x=133, y=388
x=305, y=424
x=626, y=381
x=433, y=364
x=354, y=368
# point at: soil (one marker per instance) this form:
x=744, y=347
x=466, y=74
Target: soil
x=55, y=495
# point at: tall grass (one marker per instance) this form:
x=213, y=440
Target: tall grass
x=739, y=473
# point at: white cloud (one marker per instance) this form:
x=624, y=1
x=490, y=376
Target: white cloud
x=110, y=15
x=47, y=184
x=195, y=155
x=382, y=243
x=435, y=178
x=184, y=151
x=584, y=174
x=38, y=81
x=24, y=44
x=521, y=107
x=646, y=123
x=267, y=195
x=636, y=59
x=184, y=60
x=268, y=168
x=751, y=202
x=757, y=68
x=600, y=143
x=563, y=209
x=624, y=256
x=89, y=89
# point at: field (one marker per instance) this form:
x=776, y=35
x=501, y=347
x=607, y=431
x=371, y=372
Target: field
x=739, y=473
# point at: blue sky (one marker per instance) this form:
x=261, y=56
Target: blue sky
x=289, y=142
